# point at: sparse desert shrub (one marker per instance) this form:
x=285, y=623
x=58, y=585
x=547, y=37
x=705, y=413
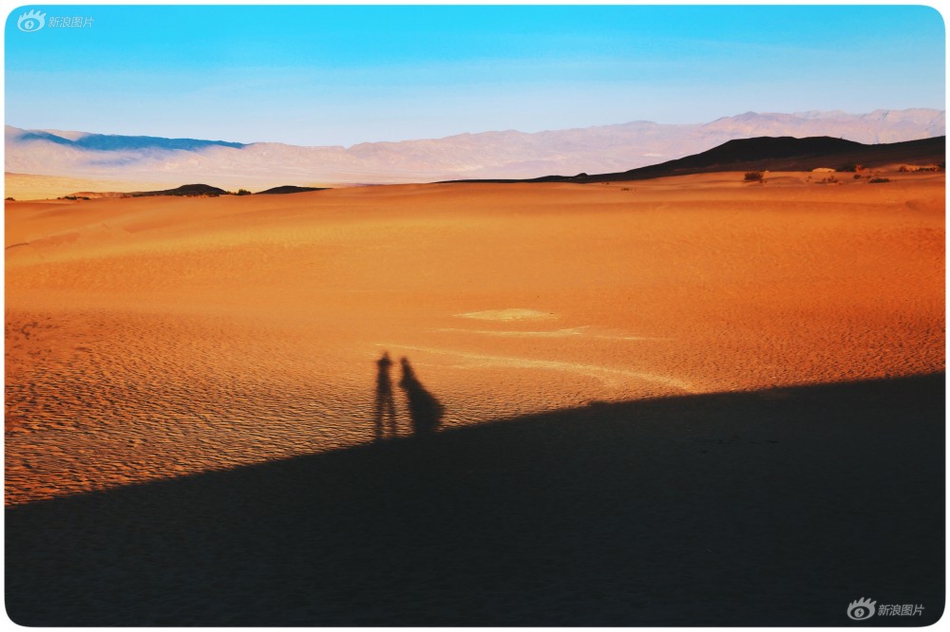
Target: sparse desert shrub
x=242, y=192
x=753, y=176
x=850, y=167
x=10, y=199
x=857, y=176
x=878, y=180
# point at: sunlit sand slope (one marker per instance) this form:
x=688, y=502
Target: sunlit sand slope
x=152, y=337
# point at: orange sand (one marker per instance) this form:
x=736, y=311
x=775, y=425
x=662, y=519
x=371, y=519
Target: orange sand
x=151, y=337
x=22, y=186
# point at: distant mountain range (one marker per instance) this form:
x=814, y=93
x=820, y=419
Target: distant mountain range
x=777, y=154
x=760, y=154
x=489, y=155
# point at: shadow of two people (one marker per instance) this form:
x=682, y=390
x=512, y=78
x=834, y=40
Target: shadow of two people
x=425, y=411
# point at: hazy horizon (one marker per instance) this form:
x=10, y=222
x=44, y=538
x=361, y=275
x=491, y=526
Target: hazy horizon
x=343, y=75
x=806, y=114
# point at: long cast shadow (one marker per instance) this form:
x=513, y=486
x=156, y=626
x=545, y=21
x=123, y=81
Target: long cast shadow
x=384, y=418
x=769, y=508
x=425, y=411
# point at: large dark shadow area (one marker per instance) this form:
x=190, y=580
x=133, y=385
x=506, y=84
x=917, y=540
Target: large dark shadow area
x=777, y=507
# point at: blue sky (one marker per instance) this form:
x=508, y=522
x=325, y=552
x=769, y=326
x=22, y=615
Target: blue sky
x=325, y=75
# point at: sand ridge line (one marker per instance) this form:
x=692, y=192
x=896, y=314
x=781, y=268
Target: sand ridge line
x=609, y=376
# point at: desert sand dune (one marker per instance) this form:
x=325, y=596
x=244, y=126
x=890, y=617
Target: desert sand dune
x=682, y=401
x=148, y=338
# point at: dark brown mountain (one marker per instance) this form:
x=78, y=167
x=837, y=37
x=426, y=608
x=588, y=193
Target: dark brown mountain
x=187, y=190
x=289, y=188
x=783, y=153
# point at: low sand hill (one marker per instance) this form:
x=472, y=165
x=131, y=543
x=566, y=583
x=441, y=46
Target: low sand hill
x=21, y=186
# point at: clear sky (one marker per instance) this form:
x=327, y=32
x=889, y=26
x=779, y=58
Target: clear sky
x=325, y=75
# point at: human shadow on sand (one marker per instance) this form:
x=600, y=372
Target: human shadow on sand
x=384, y=416
x=778, y=507
x=425, y=411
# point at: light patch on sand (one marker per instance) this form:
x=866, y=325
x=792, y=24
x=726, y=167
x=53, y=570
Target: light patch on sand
x=509, y=314
x=558, y=333
x=610, y=377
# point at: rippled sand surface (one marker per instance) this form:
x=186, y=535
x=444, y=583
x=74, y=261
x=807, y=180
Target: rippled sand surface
x=148, y=338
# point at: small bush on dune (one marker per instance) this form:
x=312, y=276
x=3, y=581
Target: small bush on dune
x=753, y=176
x=913, y=169
x=243, y=192
x=877, y=180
